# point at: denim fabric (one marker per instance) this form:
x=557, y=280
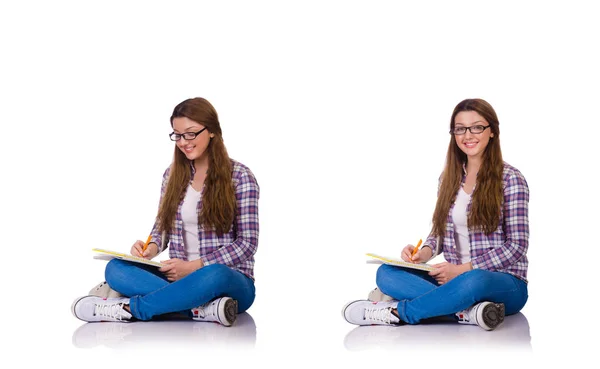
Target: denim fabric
x=151, y=294
x=420, y=297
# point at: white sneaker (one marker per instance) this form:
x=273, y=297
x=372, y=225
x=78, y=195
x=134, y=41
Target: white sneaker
x=363, y=312
x=97, y=309
x=377, y=295
x=488, y=315
x=103, y=290
x=222, y=310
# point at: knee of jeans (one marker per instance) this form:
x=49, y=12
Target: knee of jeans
x=216, y=268
x=476, y=281
x=113, y=271
x=216, y=272
x=382, y=278
x=245, y=305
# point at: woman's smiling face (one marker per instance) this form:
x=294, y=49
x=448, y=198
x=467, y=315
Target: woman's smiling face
x=472, y=144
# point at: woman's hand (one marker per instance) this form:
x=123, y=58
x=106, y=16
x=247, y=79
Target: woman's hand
x=151, y=250
x=421, y=256
x=175, y=269
x=446, y=271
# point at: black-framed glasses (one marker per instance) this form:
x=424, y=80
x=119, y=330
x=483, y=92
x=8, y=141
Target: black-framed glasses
x=473, y=129
x=187, y=135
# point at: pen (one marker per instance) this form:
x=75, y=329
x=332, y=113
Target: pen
x=146, y=244
x=416, y=249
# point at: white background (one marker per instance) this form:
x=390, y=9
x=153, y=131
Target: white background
x=341, y=110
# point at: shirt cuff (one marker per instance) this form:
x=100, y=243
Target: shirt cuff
x=206, y=261
x=433, y=255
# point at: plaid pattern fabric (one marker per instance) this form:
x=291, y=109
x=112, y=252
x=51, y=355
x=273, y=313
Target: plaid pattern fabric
x=235, y=248
x=505, y=249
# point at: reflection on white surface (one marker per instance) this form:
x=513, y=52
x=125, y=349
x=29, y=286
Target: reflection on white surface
x=168, y=332
x=513, y=334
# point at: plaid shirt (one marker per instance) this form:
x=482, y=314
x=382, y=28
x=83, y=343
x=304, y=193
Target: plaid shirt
x=235, y=248
x=505, y=249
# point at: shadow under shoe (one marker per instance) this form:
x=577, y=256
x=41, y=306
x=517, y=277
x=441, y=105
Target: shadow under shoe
x=174, y=334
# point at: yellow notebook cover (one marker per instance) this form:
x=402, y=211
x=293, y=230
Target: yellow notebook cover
x=108, y=254
x=397, y=262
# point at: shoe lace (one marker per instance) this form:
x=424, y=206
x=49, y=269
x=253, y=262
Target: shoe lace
x=379, y=314
x=113, y=311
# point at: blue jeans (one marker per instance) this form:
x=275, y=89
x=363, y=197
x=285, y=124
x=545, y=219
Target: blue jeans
x=151, y=294
x=420, y=297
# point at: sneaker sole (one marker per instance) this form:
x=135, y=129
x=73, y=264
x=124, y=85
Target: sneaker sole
x=492, y=315
x=73, y=308
x=103, y=290
x=230, y=310
x=376, y=295
x=346, y=308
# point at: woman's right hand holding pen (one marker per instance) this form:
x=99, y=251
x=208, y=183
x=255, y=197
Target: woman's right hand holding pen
x=138, y=250
x=421, y=256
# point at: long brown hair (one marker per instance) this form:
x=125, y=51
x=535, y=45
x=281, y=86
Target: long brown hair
x=218, y=197
x=487, y=197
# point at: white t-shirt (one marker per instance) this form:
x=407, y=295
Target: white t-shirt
x=461, y=228
x=189, y=215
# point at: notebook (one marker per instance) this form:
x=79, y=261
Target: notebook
x=377, y=259
x=108, y=255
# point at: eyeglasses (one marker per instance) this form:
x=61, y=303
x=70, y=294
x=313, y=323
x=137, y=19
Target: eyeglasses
x=187, y=135
x=474, y=130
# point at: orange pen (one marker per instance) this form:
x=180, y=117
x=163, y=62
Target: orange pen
x=146, y=244
x=416, y=249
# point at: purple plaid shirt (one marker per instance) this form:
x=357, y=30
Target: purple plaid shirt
x=505, y=249
x=235, y=248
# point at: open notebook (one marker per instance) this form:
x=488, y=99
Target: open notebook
x=108, y=255
x=377, y=259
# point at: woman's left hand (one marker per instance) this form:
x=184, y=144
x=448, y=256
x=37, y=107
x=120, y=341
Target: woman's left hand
x=175, y=269
x=446, y=271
